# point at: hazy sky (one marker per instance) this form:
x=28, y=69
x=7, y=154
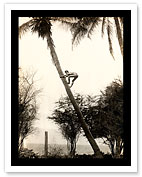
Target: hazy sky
x=90, y=59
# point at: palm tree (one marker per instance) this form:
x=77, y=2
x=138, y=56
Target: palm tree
x=42, y=25
x=84, y=26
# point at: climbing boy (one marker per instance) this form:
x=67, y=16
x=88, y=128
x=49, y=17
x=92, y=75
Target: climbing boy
x=71, y=75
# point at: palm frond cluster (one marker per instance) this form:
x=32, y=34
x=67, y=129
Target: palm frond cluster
x=25, y=28
x=40, y=25
x=79, y=27
x=109, y=33
x=84, y=26
x=87, y=25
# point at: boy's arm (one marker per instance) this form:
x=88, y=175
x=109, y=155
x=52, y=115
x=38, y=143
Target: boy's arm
x=63, y=76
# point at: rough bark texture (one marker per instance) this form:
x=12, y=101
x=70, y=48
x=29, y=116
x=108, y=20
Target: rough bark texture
x=73, y=101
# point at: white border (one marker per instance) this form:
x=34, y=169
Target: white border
x=8, y=8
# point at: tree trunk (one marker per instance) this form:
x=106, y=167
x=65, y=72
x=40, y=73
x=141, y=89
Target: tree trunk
x=20, y=144
x=112, y=148
x=73, y=101
x=117, y=155
x=73, y=148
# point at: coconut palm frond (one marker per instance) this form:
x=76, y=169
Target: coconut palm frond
x=78, y=35
x=25, y=27
x=68, y=25
x=42, y=26
x=121, y=20
x=119, y=33
x=103, y=25
x=94, y=24
x=83, y=26
x=66, y=22
x=87, y=21
x=78, y=31
x=109, y=33
x=65, y=19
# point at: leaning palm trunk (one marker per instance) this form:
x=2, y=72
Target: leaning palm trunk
x=73, y=101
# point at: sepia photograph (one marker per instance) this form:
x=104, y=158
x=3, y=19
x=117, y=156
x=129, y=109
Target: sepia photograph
x=71, y=87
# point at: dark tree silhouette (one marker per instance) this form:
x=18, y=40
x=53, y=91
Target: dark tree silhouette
x=105, y=117
x=27, y=112
x=65, y=117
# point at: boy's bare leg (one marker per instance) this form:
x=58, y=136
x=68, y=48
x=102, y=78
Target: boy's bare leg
x=71, y=84
x=68, y=80
x=74, y=78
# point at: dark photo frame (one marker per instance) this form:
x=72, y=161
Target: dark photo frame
x=126, y=160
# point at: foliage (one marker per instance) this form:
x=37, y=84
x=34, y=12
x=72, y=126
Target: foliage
x=27, y=112
x=105, y=118
x=56, y=151
x=86, y=25
x=102, y=113
x=26, y=153
x=66, y=118
x=79, y=26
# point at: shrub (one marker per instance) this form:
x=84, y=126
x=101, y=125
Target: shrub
x=27, y=153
